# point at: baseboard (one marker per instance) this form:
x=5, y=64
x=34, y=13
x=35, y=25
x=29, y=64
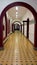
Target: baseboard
x=28, y=40
x=32, y=44
x=35, y=48
x=1, y=48
x=5, y=40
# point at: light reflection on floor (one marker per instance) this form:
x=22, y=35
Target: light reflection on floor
x=18, y=51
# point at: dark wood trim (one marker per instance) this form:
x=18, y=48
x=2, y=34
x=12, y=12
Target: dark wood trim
x=35, y=34
x=21, y=28
x=1, y=33
x=29, y=40
x=19, y=4
x=28, y=28
x=8, y=26
x=12, y=27
x=6, y=23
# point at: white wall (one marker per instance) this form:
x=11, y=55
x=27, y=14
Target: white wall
x=4, y=31
x=28, y=15
x=10, y=25
x=31, y=32
x=4, y=3
x=31, y=26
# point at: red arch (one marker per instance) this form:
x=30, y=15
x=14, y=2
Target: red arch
x=19, y=4
x=16, y=4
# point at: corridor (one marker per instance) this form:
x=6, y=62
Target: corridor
x=18, y=51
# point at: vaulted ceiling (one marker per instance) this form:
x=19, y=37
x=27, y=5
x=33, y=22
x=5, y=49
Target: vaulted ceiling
x=5, y=3
x=17, y=14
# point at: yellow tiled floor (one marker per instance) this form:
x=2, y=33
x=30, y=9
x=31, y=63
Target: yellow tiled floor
x=18, y=51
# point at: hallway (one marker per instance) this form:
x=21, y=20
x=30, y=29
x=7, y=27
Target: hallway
x=18, y=51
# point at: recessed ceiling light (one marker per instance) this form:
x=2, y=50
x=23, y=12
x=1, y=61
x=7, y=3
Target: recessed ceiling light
x=16, y=13
x=16, y=8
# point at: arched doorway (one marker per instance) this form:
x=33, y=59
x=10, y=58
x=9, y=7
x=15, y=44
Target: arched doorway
x=18, y=4
x=16, y=25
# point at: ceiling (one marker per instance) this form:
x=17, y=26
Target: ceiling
x=5, y=3
x=21, y=11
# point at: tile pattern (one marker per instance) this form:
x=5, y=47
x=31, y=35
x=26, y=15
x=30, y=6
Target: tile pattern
x=18, y=51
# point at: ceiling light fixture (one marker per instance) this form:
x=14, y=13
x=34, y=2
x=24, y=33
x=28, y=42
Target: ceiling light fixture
x=16, y=13
x=16, y=8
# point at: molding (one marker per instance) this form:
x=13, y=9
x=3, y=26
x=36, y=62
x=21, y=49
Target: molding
x=29, y=40
x=35, y=48
x=7, y=38
x=1, y=48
